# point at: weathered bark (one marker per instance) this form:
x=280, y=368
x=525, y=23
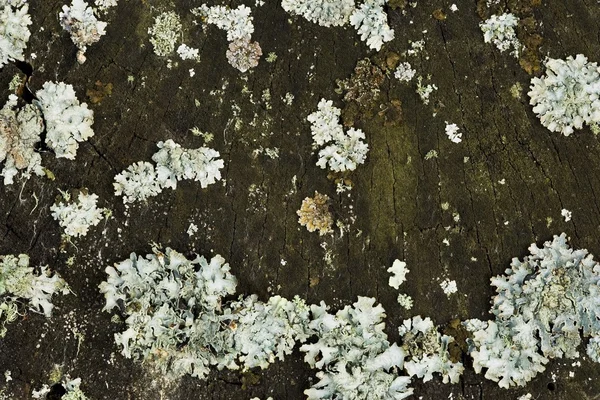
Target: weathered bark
x=251, y=219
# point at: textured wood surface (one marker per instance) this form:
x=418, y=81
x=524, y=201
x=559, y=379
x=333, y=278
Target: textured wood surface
x=505, y=180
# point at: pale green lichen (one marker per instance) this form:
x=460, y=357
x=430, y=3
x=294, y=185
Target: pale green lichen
x=165, y=32
x=19, y=284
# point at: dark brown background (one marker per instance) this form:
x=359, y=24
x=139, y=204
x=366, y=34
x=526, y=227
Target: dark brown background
x=250, y=218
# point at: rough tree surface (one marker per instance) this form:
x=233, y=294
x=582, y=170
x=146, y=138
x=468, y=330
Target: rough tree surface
x=508, y=181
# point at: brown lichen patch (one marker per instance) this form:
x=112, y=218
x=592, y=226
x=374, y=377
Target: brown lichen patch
x=361, y=91
x=439, y=14
x=97, y=93
x=458, y=348
x=243, y=54
x=314, y=214
x=397, y=4
x=391, y=113
x=249, y=379
x=527, y=32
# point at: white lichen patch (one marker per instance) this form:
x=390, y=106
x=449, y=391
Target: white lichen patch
x=14, y=31
x=398, y=271
x=188, y=53
x=449, y=286
x=354, y=358
x=370, y=21
x=76, y=216
x=20, y=131
x=165, y=32
x=19, y=283
x=567, y=96
x=67, y=121
x=452, y=131
x=173, y=163
x=103, y=5
x=405, y=301
x=343, y=151
x=243, y=53
x=138, y=182
x=83, y=26
x=192, y=229
x=237, y=22
x=404, y=72
x=176, y=318
x=567, y=215
x=427, y=351
x=500, y=30
x=424, y=91
x=325, y=12
x=543, y=307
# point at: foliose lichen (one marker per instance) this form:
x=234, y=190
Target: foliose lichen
x=568, y=95
x=20, y=130
x=14, y=31
x=79, y=20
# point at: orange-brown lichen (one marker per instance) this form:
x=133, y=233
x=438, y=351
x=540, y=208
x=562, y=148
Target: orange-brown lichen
x=314, y=214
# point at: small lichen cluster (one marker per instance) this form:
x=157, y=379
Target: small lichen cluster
x=543, y=306
x=14, y=31
x=165, y=32
x=325, y=13
x=500, y=30
x=452, y=131
x=314, y=214
x=20, y=131
x=427, y=351
x=79, y=20
x=19, y=284
x=399, y=271
x=77, y=213
x=173, y=163
x=404, y=72
x=343, y=151
x=568, y=95
x=103, y=5
x=71, y=387
x=242, y=53
x=67, y=121
x=370, y=21
x=177, y=319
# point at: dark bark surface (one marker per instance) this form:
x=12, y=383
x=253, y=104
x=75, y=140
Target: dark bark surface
x=250, y=217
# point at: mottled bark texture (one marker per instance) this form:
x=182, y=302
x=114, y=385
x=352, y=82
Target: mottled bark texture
x=506, y=179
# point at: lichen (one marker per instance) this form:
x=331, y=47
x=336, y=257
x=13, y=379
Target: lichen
x=77, y=212
x=314, y=214
x=83, y=26
x=20, y=284
x=165, y=32
x=14, y=31
x=67, y=121
x=20, y=130
x=567, y=96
